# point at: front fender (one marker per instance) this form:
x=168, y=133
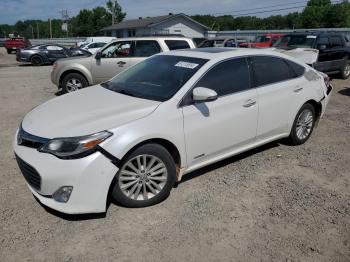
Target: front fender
x=75, y=68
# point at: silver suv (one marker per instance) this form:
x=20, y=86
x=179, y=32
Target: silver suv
x=72, y=74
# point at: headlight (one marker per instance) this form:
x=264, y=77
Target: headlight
x=74, y=147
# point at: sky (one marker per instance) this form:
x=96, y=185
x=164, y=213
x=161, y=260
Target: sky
x=13, y=10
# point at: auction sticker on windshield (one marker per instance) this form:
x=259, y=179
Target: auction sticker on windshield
x=186, y=65
x=311, y=36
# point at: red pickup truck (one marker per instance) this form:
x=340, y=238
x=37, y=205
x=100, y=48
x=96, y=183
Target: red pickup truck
x=12, y=44
x=266, y=40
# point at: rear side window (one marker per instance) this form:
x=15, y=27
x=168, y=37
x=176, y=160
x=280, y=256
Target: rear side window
x=145, y=48
x=298, y=70
x=227, y=77
x=269, y=70
x=177, y=44
x=335, y=41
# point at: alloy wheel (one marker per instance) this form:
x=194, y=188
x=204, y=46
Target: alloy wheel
x=73, y=85
x=143, y=177
x=304, y=124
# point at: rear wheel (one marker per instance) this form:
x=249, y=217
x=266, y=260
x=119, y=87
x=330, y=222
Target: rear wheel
x=36, y=60
x=73, y=82
x=345, y=72
x=145, y=178
x=303, y=125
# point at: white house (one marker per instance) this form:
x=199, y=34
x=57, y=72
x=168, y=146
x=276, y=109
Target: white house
x=180, y=24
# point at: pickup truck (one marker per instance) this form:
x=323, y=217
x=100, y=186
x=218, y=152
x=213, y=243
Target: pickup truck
x=266, y=40
x=12, y=44
x=333, y=50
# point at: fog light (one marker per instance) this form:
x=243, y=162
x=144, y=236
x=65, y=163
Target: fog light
x=62, y=194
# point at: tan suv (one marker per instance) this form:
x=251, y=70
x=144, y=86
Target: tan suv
x=72, y=74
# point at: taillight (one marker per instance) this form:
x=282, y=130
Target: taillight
x=326, y=80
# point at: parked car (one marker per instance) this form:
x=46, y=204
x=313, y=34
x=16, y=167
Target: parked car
x=105, y=39
x=334, y=50
x=93, y=47
x=265, y=40
x=45, y=54
x=74, y=74
x=138, y=133
x=16, y=43
x=218, y=42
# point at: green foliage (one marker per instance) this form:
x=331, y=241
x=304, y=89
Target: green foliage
x=85, y=23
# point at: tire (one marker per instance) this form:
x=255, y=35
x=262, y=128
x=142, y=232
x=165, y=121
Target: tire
x=73, y=82
x=345, y=71
x=9, y=51
x=140, y=181
x=36, y=60
x=303, y=125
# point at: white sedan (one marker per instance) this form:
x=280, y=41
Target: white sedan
x=93, y=47
x=136, y=135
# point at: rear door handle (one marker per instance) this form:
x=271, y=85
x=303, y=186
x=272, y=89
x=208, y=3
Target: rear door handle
x=249, y=103
x=298, y=90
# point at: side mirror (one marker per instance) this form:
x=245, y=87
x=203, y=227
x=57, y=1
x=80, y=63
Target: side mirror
x=202, y=94
x=98, y=55
x=322, y=47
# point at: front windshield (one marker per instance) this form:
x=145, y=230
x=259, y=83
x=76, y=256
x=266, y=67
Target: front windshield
x=295, y=41
x=157, y=78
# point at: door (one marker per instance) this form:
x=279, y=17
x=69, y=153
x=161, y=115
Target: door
x=114, y=59
x=218, y=127
x=279, y=89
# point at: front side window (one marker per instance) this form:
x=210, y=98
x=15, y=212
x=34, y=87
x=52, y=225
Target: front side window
x=323, y=41
x=157, y=78
x=269, y=70
x=118, y=49
x=146, y=48
x=177, y=44
x=228, y=77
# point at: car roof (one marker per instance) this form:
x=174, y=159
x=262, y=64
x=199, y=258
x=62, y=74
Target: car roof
x=220, y=53
x=151, y=38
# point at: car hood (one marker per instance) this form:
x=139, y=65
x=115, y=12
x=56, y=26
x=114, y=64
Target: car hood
x=306, y=55
x=85, y=112
x=78, y=59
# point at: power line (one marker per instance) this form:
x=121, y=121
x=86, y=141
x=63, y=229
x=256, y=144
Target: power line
x=271, y=10
x=257, y=8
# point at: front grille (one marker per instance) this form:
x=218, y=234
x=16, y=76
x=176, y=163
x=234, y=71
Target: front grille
x=30, y=174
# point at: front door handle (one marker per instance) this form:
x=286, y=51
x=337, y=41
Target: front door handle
x=121, y=63
x=249, y=103
x=298, y=90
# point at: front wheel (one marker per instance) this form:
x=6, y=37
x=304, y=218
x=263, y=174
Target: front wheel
x=73, y=82
x=303, y=125
x=145, y=178
x=345, y=72
x=36, y=60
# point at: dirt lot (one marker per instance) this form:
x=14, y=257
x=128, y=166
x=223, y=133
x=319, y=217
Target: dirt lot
x=276, y=203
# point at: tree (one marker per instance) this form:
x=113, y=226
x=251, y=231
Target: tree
x=117, y=15
x=314, y=14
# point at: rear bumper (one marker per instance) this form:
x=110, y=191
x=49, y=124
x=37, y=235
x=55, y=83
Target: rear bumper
x=326, y=98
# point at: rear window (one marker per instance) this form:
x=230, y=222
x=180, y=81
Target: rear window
x=177, y=44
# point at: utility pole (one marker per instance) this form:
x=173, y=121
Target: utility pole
x=31, y=26
x=37, y=30
x=50, y=28
x=65, y=18
x=113, y=13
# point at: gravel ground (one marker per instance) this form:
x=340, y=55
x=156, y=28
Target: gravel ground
x=275, y=203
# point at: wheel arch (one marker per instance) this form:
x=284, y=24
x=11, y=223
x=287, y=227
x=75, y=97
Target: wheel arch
x=76, y=71
x=168, y=145
x=317, y=106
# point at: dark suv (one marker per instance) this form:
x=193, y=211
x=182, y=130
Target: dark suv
x=334, y=50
